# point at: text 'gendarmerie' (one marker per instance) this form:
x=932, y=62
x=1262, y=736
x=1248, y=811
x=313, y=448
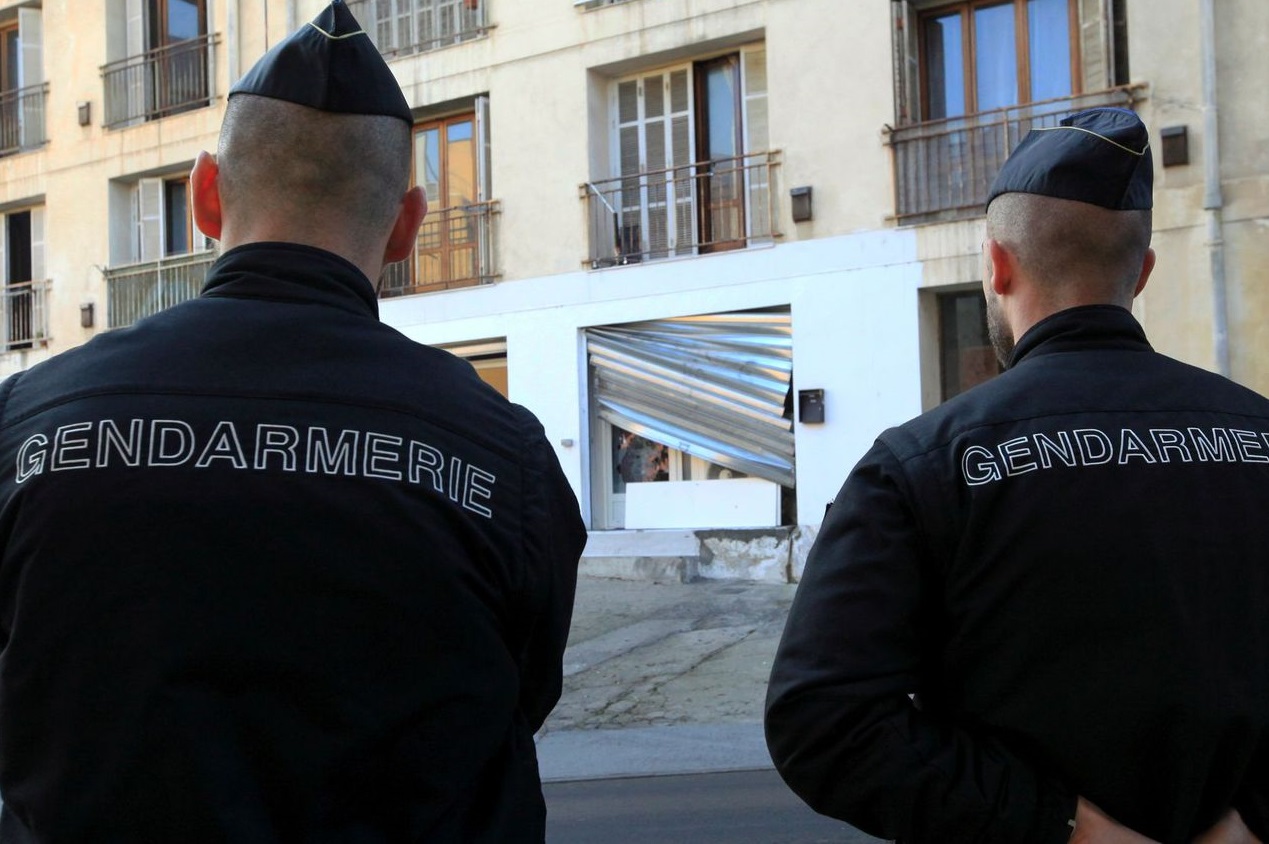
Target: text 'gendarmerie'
x=165, y=443
x=1095, y=447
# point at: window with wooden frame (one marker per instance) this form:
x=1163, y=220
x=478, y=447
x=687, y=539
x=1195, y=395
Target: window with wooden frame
x=162, y=219
x=10, y=57
x=690, y=153
x=983, y=55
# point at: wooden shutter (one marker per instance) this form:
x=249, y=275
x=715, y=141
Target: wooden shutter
x=30, y=73
x=38, y=270
x=137, y=89
x=753, y=82
x=907, y=62
x=1096, y=44
x=484, y=160
x=149, y=220
x=4, y=262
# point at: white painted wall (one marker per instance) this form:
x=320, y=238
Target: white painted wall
x=855, y=335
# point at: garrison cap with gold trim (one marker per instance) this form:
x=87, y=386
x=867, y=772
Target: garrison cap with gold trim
x=1100, y=156
x=329, y=64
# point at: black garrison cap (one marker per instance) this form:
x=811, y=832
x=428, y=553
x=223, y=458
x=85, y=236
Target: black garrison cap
x=1100, y=156
x=331, y=65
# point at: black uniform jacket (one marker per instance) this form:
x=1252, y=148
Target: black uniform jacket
x=1069, y=568
x=272, y=572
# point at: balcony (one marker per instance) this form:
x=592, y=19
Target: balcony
x=141, y=290
x=404, y=27
x=25, y=315
x=709, y=206
x=455, y=249
x=22, y=119
x=944, y=168
x=158, y=83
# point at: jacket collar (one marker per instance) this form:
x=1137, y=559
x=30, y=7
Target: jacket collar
x=291, y=272
x=1088, y=326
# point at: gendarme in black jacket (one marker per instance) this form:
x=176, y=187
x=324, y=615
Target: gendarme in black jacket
x=273, y=572
x=1069, y=568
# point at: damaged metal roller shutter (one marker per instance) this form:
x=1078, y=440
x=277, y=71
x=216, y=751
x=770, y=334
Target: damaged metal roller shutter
x=713, y=386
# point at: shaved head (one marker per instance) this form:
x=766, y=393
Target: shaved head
x=283, y=161
x=1060, y=243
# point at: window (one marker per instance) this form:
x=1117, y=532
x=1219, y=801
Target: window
x=985, y=55
x=25, y=319
x=455, y=245
x=162, y=64
x=22, y=87
x=689, y=153
x=403, y=27
x=966, y=356
x=973, y=77
x=488, y=358
x=162, y=220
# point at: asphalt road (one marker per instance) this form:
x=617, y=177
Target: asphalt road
x=749, y=807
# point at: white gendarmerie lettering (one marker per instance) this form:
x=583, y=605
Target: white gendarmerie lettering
x=171, y=442
x=979, y=466
x=1095, y=446
x=381, y=451
x=141, y=443
x=424, y=458
x=332, y=461
x=281, y=440
x=477, y=484
x=1015, y=454
x=1218, y=447
x=110, y=437
x=1249, y=447
x=1131, y=445
x=66, y=447
x=223, y=444
x=983, y=463
x=1168, y=440
x=31, y=456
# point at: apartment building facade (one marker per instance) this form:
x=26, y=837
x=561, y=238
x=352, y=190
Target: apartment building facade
x=716, y=245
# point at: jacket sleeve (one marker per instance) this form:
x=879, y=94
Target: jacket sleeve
x=841, y=722
x=554, y=539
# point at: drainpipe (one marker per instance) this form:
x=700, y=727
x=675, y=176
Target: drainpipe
x=233, y=42
x=1213, y=201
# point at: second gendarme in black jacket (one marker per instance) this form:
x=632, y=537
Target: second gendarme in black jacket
x=270, y=571
x=1069, y=568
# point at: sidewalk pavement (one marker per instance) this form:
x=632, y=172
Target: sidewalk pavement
x=664, y=678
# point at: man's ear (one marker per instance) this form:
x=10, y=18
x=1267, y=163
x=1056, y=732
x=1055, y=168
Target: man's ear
x=405, y=231
x=1147, y=265
x=205, y=186
x=1000, y=265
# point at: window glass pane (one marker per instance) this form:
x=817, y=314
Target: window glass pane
x=182, y=20
x=966, y=357
x=996, y=51
x=176, y=209
x=11, y=59
x=720, y=87
x=427, y=163
x=945, y=67
x=460, y=151
x=1049, y=40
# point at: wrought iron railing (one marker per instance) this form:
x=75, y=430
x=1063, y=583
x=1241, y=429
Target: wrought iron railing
x=943, y=169
x=703, y=207
x=456, y=248
x=403, y=27
x=158, y=82
x=22, y=118
x=25, y=314
x=140, y=290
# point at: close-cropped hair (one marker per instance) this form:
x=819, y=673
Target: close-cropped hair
x=1063, y=241
x=277, y=157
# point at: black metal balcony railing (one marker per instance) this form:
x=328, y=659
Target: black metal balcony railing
x=22, y=118
x=140, y=290
x=159, y=82
x=25, y=314
x=703, y=207
x=403, y=27
x=455, y=249
x=943, y=169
